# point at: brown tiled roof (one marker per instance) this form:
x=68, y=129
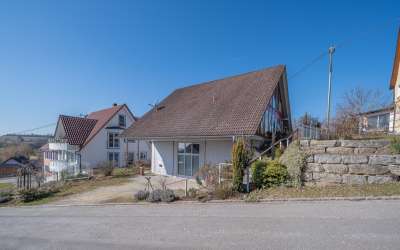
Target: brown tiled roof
x=226, y=107
x=103, y=117
x=80, y=131
x=77, y=129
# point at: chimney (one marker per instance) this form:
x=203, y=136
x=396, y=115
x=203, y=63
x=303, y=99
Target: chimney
x=115, y=104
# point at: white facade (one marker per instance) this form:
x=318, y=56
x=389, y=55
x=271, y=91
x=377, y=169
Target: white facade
x=211, y=151
x=76, y=159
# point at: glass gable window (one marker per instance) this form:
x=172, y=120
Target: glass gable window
x=113, y=140
x=188, y=159
x=272, y=120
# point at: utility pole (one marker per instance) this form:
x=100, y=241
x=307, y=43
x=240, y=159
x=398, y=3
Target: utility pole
x=328, y=111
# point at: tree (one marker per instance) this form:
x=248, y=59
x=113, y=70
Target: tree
x=240, y=159
x=16, y=150
x=354, y=102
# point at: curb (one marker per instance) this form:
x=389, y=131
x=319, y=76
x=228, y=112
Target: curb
x=279, y=200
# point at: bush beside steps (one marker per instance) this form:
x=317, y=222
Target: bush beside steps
x=157, y=195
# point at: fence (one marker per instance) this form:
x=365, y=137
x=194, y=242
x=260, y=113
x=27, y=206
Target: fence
x=224, y=172
x=309, y=132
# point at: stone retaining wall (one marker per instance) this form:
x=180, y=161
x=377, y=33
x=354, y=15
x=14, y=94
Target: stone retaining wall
x=349, y=162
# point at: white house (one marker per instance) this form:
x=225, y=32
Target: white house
x=198, y=125
x=81, y=143
x=386, y=119
x=395, y=86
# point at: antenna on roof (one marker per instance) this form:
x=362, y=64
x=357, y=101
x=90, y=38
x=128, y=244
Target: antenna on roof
x=154, y=105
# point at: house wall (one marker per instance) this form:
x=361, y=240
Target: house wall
x=96, y=151
x=164, y=154
x=396, y=93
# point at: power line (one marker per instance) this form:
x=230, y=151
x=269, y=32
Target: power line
x=34, y=129
x=343, y=43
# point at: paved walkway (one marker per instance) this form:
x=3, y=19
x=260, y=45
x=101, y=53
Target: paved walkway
x=124, y=192
x=286, y=225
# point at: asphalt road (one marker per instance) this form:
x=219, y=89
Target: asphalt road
x=286, y=225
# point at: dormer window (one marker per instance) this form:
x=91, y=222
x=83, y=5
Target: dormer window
x=122, y=121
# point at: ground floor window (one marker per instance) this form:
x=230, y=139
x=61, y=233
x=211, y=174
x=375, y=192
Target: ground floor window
x=380, y=121
x=131, y=158
x=143, y=156
x=188, y=158
x=113, y=157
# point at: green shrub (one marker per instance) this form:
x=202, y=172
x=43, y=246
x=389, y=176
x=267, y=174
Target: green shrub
x=395, y=145
x=224, y=191
x=278, y=153
x=240, y=159
x=141, y=195
x=167, y=195
x=33, y=194
x=122, y=172
x=158, y=195
x=6, y=195
x=275, y=174
x=257, y=173
x=295, y=161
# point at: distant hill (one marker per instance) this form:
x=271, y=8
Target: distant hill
x=33, y=140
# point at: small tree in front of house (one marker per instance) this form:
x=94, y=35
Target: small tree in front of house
x=240, y=159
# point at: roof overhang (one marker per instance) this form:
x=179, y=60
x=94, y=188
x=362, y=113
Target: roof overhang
x=396, y=64
x=180, y=138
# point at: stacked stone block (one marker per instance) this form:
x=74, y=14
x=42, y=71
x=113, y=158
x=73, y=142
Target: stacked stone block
x=349, y=162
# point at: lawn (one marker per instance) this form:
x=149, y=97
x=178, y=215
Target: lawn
x=389, y=189
x=6, y=186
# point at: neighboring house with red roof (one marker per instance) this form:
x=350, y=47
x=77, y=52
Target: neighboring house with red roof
x=82, y=143
x=197, y=125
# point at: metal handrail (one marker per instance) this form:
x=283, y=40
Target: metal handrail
x=273, y=146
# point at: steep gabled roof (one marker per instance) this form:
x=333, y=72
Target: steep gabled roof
x=80, y=131
x=103, y=117
x=396, y=63
x=77, y=129
x=226, y=107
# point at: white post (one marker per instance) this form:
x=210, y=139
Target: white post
x=328, y=111
x=186, y=187
x=219, y=173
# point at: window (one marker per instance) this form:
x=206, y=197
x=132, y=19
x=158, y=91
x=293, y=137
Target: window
x=113, y=140
x=143, y=156
x=122, y=121
x=113, y=157
x=188, y=159
x=131, y=158
x=272, y=120
x=378, y=121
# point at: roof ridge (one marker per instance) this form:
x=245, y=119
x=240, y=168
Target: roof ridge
x=77, y=117
x=105, y=109
x=234, y=76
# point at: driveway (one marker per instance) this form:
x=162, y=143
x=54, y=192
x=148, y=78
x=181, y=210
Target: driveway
x=290, y=225
x=12, y=180
x=125, y=192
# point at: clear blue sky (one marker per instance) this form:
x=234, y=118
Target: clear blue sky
x=72, y=57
